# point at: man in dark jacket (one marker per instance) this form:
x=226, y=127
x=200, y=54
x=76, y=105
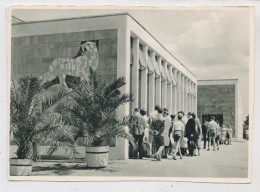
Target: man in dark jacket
x=205, y=131
x=158, y=127
x=191, y=133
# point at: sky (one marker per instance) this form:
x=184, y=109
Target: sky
x=212, y=44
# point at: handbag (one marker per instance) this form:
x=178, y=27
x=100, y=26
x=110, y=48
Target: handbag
x=184, y=143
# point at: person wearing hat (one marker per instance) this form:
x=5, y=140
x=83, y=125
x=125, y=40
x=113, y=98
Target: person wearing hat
x=212, y=132
x=191, y=133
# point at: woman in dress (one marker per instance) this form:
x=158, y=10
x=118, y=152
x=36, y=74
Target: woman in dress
x=199, y=133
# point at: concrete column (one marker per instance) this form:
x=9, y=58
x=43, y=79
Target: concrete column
x=192, y=99
x=144, y=74
x=158, y=87
x=195, y=98
x=169, y=97
x=187, y=95
x=151, y=92
x=175, y=101
x=151, y=85
x=135, y=73
x=178, y=91
x=164, y=87
x=120, y=151
x=169, y=91
x=182, y=93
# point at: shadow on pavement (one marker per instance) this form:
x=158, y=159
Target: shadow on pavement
x=61, y=169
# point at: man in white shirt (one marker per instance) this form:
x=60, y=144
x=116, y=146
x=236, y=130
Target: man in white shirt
x=212, y=126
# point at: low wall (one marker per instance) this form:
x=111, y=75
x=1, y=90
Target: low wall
x=59, y=154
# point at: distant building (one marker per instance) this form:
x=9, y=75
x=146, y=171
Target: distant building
x=117, y=46
x=222, y=99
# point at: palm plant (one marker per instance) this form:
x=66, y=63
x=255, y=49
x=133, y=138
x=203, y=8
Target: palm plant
x=91, y=110
x=32, y=119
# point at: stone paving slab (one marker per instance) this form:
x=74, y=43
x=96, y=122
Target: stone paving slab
x=231, y=161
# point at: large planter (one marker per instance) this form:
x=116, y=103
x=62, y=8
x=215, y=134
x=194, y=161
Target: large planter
x=97, y=157
x=20, y=167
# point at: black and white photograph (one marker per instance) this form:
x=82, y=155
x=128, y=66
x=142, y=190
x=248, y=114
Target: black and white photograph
x=116, y=93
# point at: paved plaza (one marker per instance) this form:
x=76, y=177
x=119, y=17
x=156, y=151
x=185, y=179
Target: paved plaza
x=231, y=161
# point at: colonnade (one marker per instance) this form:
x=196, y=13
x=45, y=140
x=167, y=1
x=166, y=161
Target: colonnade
x=155, y=81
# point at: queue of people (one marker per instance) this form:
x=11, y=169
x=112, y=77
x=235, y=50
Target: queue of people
x=215, y=134
x=176, y=135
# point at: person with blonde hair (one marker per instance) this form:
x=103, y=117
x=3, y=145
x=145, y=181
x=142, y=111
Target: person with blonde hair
x=199, y=134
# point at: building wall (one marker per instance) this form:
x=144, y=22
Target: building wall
x=84, y=26
x=46, y=40
x=222, y=97
x=218, y=100
x=34, y=54
x=239, y=112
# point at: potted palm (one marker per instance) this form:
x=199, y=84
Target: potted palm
x=92, y=113
x=33, y=122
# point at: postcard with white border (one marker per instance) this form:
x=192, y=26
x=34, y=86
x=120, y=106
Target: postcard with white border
x=113, y=93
